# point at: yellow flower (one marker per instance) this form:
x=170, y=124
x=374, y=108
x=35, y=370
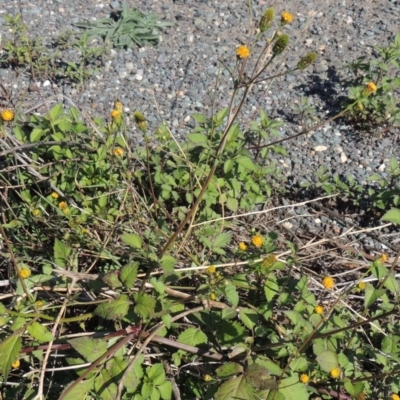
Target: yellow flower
x=362, y=285
x=207, y=378
x=242, y=246
x=211, y=269
x=16, y=364
x=54, y=195
x=212, y=296
x=286, y=18
x=39, y=303
x=257, y=241
x=7, y=115
x=328, y=282
x=370, y=88
x=63, y=205
x=335, y=373
x=383, y=258
x=84, y=231
x=304, y=378
x=118, y=152
x=319, y=310
x=36, y=212
x=243, y=51
x=24, y=273
x=395, y=397
x=115, y=114
x=269, y=261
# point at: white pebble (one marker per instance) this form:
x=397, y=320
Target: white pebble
x=382, y=167
x=138, y=77
x=343, y=157
x=320, y=148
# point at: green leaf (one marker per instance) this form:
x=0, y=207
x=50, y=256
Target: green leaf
x=156, y=374
x=9, y=351
x=55, y=112
x=232, y=295
x=168, y=263
x=192, y=337
x=222, y=239
x=79, y=391
x=104, y=385
x=39, y=332
x=229, y=369
x=36, y=135
x=116, y=309
x=260, y=378
x=372, y=295
x=327, y=360
x=165, y=390
x=271, y=287
x=249, y=317
x=199, y=118
x=246, y=163
x=128, y=274
x=90, y=349
x=392, y=215
x=354, y=389
x=198, y=138
x=157, y=285
x=132, y=239
x=292, y=389
x=144, y=304
x=61, y=253
x=299, y=364
x=392, y=284
x=236, y=388
x=232, y=204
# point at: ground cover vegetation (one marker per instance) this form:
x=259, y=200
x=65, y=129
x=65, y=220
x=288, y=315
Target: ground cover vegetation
x=148, y=273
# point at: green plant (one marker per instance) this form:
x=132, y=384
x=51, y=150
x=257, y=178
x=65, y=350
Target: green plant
x=128, y=28
x=373, y=107
x=125, y=263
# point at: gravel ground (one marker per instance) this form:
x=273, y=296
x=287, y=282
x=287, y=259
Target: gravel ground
x=175, y=79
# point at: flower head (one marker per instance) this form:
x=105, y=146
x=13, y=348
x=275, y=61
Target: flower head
x=36, y=212
x=212, y=296
x=39, y=303
x=362, y=285
x=207, y=378
x=116, y=114
x=16, y=364
x=63, y=205
x=370, y=88
x=335, y=372
x=242, y=246
x=242, y=51
x=269, y=261
x=304, y=378
x=24, y=273
x=383, y=258
x=267, y=19
x=280, y=44
x=54, y=195
x=306, y=60
x=118, y=152
x=395, y=396
x=211, y=269
x=286, y=18
x=319, y=309
x=257, y=241
x=328, y=282
x=140, y=121
x=7, y=115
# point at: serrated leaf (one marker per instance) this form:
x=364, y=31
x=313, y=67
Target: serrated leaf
x=80, y=390
x=144, y=304
x=168, y=263
x=90, y=349
x=39, y=332
x=299, y=364
x=327, y=360
x=392, y=284
x=128, y=274
x=165, y=390
x=36, y=135
x=392, y=215
x=199, y=118
x=9, y=351
x=222, y=239
x=372, y=295
x=157, y=285
x=192, y=337
x=292, y=389
x=198, y=138
x=132, y=239
x=55, y=112
x=230, y=333
x=236, y=388
x=116, y=309
x=104, y=385
x=229, y=369
x=156, y=374
x=232, y=295
x=61, y=253
x=259, y=377
x=354, y=389
x=249, y=317
x=246, y=162
x=232, y=204
x=228, y=313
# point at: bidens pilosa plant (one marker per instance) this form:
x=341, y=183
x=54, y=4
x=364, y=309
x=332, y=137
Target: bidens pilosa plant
x=130, y=264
